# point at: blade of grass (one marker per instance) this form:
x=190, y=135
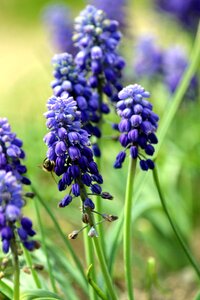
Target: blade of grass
x=63, y=237
x=41, y=228
x=163, y=128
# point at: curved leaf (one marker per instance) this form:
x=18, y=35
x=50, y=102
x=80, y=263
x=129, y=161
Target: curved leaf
x=197, y=297
x=6, y=290
x=39, y=294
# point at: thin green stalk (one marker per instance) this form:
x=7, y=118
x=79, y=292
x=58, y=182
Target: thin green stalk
x=16, y=292
x=98, y=291
x=173, y=225
x=89, y=260
x=65, y=240
x=98, y=248
x=33, y=272
x=104, y=269
x=128, y=228
x=50, y=271
x=98, y=161
x=180, y=92
x=166, y=122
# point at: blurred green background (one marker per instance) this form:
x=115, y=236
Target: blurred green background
x=26, y=73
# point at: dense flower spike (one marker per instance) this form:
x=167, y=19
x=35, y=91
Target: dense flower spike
x=59, y=22
x=11, y=152
x=174, y=64
x=186, y=12
x=137, y=126
x=69, y=149
x=11, y=203
x=97, y=38
x=116, y=12
x=147, y=58
x=69, y=81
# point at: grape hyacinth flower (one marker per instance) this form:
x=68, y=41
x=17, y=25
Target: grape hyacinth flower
x=116, y=12
x=68, y=149
x=186, y=12
x=97, y=39
x=69, y=81
x=58, y=21
x=137, y=126
x=11, y=203
x=11, y=152
x=148, y=58
x=175, y=62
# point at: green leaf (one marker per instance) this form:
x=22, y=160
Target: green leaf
x=197, y=297
x=39, y=294
x=6, y=290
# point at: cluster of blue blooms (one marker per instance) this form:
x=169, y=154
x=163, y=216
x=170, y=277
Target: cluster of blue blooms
x=148, y=58
x=76, y=108
x=11, y=194
x=68, y=149
x=58, y=21
x=69, y=81
x=137, y=126
x=186, y=12
x=174, y=64
x=153, y=63
x=97, y=38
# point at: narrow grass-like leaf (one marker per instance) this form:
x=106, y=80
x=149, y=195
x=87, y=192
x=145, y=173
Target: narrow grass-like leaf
x=165, y=124
x=43, y=240
x=63, y=237
x=5, y=289
x=197, y=297
x=39, y=294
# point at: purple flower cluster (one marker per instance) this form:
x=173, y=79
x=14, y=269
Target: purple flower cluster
x=152, y=62
x=11, y=152
x=11, y=203
x=11, y=194
x=148, y=58
x=59, y=22
x=186, y=12
x=68, y=148
x=137, y=126
x=174, y=64
x=116, y=12
x=69, y=81
x=97, y=38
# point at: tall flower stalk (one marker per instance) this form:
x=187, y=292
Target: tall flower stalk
x=97, y=39
x=71, y=158
x=137, y=128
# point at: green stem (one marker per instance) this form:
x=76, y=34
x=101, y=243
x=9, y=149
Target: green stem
x=104, y=269
x=50, y=271
x=128, y=227
x=98, y=161
x=180, y=91
x=65, y=240
x=173, y=225
x=16, y=292
x=89, y=260
x=98, y=248
x=33, y=272
x=87, y=241
x=165, y=124
x=98, y=291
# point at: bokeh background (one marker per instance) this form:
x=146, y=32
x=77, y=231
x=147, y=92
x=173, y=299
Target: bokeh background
x=26, y=50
